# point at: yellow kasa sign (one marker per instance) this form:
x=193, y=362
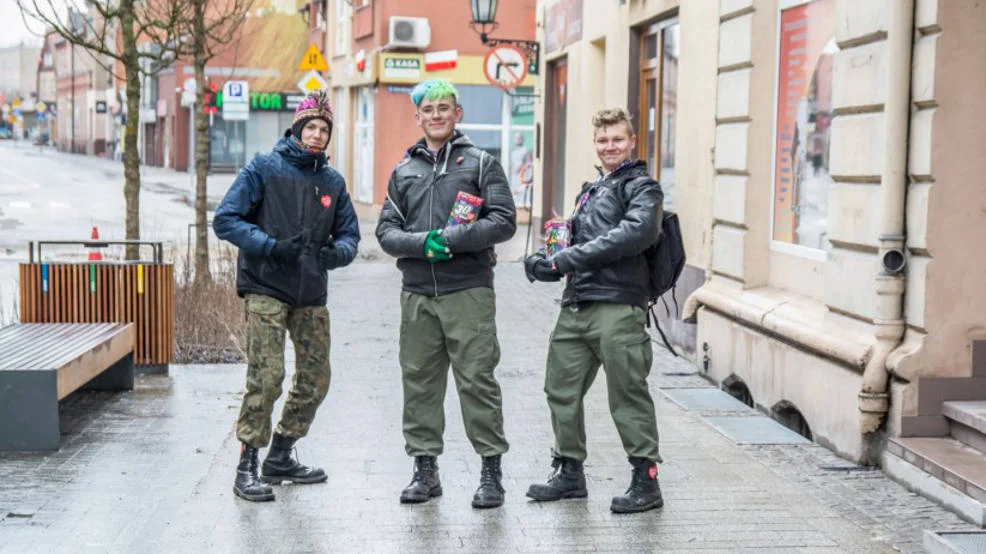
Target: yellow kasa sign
x=407, y=69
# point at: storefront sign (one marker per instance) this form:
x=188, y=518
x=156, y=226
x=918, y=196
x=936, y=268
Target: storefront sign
x=563, y=24
x=522, y=107
x=262, y=101
x=397, y=68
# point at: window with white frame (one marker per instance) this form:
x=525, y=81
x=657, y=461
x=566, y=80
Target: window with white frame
x=339, y=134
x=343, y=19
x=803, y=120
x=363, y=144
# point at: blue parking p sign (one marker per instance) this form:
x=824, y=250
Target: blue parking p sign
x=236, y=101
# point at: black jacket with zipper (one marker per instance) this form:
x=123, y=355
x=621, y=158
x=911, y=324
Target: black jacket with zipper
x=420, y=195
x=610, y=232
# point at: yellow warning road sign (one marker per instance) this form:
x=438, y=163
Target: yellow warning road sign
x=312, y=60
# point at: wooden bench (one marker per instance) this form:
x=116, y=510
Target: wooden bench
x=42, y=363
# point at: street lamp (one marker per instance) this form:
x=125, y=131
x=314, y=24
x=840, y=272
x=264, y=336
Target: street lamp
x=484, y=22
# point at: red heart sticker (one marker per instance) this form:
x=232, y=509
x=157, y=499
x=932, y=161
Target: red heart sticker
x=326, y=200
x=653, y=471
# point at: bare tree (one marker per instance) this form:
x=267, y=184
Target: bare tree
x=209, y=30
x=116, y=31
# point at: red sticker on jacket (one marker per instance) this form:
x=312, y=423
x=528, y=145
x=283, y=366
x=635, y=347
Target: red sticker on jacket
x=326, y=200
x=460, y=159
x=653, y=471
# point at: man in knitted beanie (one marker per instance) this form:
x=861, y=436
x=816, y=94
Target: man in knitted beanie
x=315, y=107
x=290, y=215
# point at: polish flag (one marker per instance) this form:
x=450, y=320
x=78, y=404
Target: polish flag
x=437, y=61
x=360, y=61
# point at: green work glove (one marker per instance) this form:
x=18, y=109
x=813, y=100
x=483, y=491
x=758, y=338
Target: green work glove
x=435, y=249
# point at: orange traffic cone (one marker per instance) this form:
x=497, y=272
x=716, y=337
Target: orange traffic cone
x=94, y=253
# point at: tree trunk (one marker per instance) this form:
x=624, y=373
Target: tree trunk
x=202, y=272
x=131, y=157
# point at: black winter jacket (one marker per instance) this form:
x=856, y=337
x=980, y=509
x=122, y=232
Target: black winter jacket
x=420, y=195
x=277, y=196
x=610, y=232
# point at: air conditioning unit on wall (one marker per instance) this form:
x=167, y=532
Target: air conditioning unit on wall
x=409, y=32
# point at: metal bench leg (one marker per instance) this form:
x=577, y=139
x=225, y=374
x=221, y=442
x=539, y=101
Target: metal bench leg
x=28, y=410
x=119, y=376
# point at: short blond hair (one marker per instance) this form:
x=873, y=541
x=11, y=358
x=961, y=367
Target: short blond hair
x=612, y=116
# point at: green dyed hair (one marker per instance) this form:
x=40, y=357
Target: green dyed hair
x=436, y=89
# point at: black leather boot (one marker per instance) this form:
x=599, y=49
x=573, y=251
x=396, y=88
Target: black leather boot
x=425, y=484
x=567, y=481
x=280, y=464
x=247, y=486
x=644, y=492
x=490, y=491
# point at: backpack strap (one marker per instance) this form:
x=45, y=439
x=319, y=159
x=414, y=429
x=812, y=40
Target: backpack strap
x=657, y=325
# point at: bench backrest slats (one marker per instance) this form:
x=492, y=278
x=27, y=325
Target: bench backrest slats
x=50, y=345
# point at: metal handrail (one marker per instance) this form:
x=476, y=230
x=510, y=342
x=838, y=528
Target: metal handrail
x=156, y=247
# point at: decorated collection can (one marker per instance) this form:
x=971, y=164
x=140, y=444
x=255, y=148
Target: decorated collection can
x=465, y=210
x=557, y=235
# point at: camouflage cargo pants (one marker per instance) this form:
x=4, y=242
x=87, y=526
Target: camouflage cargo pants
x=267, y=321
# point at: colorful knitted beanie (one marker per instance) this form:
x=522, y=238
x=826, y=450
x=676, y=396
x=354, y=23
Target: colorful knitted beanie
x=315, y=106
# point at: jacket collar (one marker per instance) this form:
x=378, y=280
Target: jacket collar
x=420, y=149
x=625, y=169
x=297, y=156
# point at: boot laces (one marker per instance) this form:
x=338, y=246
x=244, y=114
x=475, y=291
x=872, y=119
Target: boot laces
x=422, y=469
x=640, y=476
x=488, y=475
x=557, y=471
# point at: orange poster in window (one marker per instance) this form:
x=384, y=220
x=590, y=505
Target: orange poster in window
x=804, y=117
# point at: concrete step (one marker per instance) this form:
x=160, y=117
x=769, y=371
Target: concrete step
x=954, y=542
x=967, y=421
x=942, y=469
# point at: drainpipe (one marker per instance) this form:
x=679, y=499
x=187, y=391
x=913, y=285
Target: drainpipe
x=889, y=284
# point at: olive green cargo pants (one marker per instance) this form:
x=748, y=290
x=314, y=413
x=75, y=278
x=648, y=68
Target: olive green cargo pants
x=615, y=336
x=457, y=329
x=267, y=321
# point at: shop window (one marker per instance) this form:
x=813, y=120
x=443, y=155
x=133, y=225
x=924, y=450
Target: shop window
x=227, y=143
x=658, y=102
x=503, y=125
x=801, y=182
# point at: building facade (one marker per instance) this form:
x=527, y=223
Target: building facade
x=823, y=159
x=85, y=92
x=374, y=65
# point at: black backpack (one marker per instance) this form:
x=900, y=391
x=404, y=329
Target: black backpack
x=666, y=261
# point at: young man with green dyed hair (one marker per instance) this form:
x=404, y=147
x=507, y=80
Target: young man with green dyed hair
x=448, y=306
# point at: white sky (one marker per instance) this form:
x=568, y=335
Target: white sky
x=12, y=29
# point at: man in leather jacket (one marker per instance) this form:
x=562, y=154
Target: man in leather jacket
x=290, y=216
x=603, y=319
x=448, y=306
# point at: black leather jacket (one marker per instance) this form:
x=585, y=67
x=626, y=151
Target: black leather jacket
x=420, y=195
x=610, y=231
